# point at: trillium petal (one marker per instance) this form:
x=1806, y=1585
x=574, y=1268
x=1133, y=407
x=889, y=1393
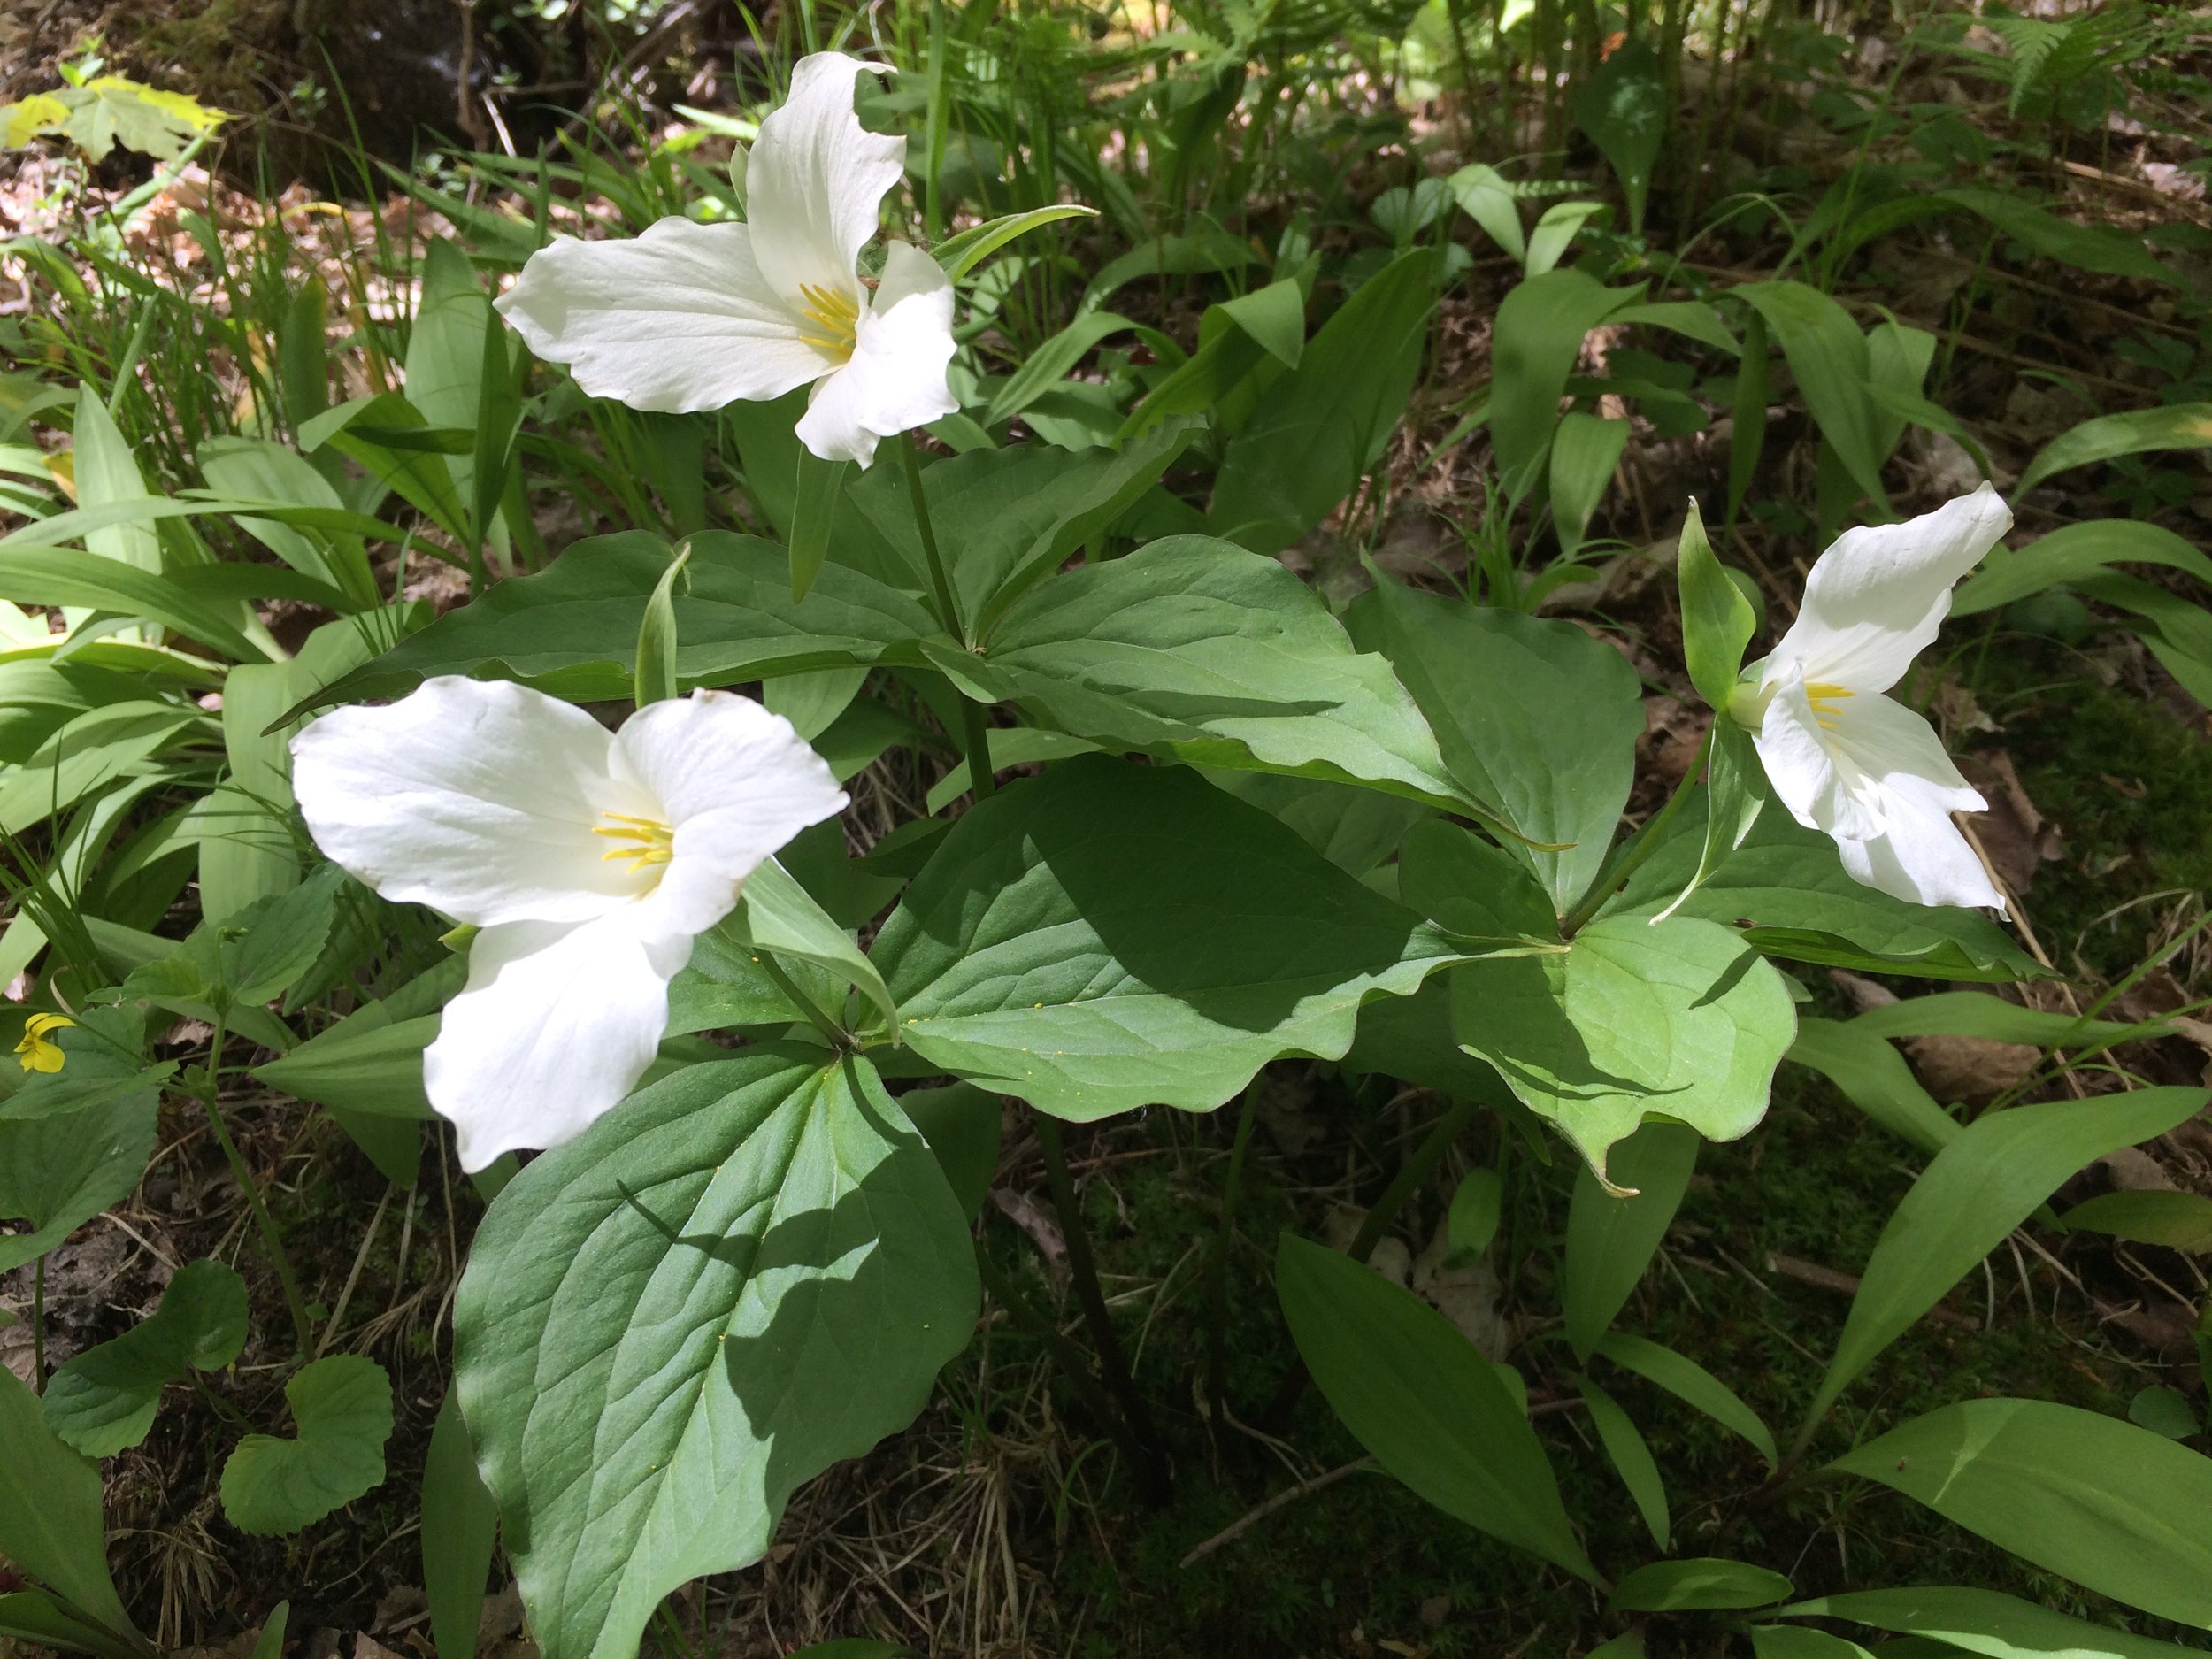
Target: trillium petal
x=814, y=182
x=679, y=319
x=734, y=782
x=475, y=797
x=1876, y=597
x=1819, y=785
x=555, y=1027
x=1895, y=747
x=896, y=379
x=1922, y=857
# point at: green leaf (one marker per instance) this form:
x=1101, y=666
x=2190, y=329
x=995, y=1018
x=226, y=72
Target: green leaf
x=1673, y=1587
x=738, y=1277
x=1485, y=196
x=100, y=1064
x=1985, y=1622
x=1239, y=341
x=366, y=1063
x=1735, y=795
x=1980, y=1014
x=1799, y=1642
x=2112, y=1507
x=1677, y=1018
x=445, y=363
x=50, y=1524
x=1324, y=423
x=109, y=111
x=1690, y=1383
x=1111, y=936
x=1196, y=649
x=107, y=475
x=2108, y=252
x=1012, y=517
x=2180, y=1221
x=2165, y=1410
x=814, y=504
x=1827, y=355
x=2069, y=554
x=1631, y=1458
x=1536, y=337
x=32, y=1616
x=962, y=1125
x=1613, y=1234
x=1874, y=1077
x=1415, y=1393
x=103, y=1400
x=1535, y=718
x=1987, y=1181
x=1554, y=233
x=1472, y=1220
x=460, y=1528
x=1583, y=453
x=2173, y=427
x=572, y=630
x=1624, y=110
x=57, y=1172
x=1050, y=362
x=780, y=916
x=1717, y=621
x=391, y=437
x=654, y=678
x=35, y=575
x=1791, y=895
x=961, y=253
x=341, y=1406
x=256, y=468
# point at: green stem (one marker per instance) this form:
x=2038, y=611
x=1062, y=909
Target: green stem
x=1410, y=1174
x=831, y=1030
x=1217, y=1268
x=975, y=729
x=1083, y=1270
x=303, y=1327
x=1640, y=847
x=38, y=1327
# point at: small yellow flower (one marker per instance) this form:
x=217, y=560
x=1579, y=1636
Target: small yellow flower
x=40, y=1053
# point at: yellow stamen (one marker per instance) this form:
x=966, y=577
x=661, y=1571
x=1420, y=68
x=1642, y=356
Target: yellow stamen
x=648, y=841
x=1823, y=697
x=835, y=316
x=38, y=1054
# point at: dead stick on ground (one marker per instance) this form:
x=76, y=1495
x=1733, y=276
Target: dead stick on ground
x=1252, y=1517
x=1828, y=1279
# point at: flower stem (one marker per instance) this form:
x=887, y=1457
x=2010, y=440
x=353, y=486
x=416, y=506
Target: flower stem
x=975, y=729
x=38, y=1326
x=1084, y=1270
x=830, y=1029
x=1217, y=1268
x=303, y=1327
x=1640, y=845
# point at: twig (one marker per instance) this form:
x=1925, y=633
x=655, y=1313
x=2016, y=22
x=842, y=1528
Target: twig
x=1845, y=1284
x=1259, y=1512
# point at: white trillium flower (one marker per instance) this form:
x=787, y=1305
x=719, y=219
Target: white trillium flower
x=691, y=317
x=589, y=860
x=1846, y=760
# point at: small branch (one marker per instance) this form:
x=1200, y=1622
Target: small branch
x=1253, y=1516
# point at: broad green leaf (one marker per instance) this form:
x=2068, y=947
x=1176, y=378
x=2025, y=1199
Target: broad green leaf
x=1631, y=1457
x=1748, y=411
x=2106, y=251
x=1689, y=1382
x=342, y=1405
x=1324, y=423
x=1985, y=1622
x=2072, y=552
x=1692, y=319
x=961, y=253
x=1418, y=1395
x=108, y=476
x=1049, y=363
x=1624, y=110
x=1537, y=720
x=1612, y=1236
x=366, y=1063
x=1735, y=795
x=111, y=110
x=1485, y=196
x=257, y=469
x=1673, y=1587
x=1583, y=453
x=2111, y=1506
x=1111, y=936
x=2166, y=1411
x=572, y=629
x=445, y=357
x=102, y=1062
x=738, y=1277
x=1536, y=339
x=1677, y=1018
x=1790, y=893
x=1717, y=621
x=1827, y=355
x=1238, y=340
x=1988, y=1180
x=1411, y=1038
x=1554, y=233
x=780, y=916
x=460, y=1528
x=1196, y=649
x=813, y=703
x=1007, y=518
x=57, y=1172
x=1874, y=1077
x=2172, y=427
x=1355, y=829
x=50, y=1524
x=2180, y=1221
x=39, y=575
x=1204, y=249
x=962, y=1125
x=103, y=1400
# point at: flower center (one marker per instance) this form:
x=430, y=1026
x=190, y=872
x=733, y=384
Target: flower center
x=638, y=842
x=1824, y=697
x=835, y=317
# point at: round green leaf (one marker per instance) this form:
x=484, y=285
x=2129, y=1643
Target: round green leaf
x=342, y=1408
x=103, y=1399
